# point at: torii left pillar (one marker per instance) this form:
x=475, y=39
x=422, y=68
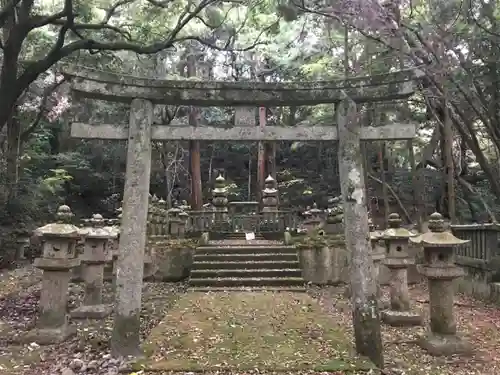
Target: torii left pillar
x=125, y=339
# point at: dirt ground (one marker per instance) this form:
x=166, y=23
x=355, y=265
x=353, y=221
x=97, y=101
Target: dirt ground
x=300, y=332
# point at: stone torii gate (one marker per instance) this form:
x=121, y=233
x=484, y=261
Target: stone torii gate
x=142, y=94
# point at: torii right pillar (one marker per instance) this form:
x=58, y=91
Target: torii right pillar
x=440, y=269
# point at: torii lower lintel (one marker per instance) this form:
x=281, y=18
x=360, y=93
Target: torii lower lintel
x=243, y=134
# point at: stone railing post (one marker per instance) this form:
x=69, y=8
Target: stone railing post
x=162, y=212
x=58, y=258
x=97, y=252
x=397, y=261
x=440, y=270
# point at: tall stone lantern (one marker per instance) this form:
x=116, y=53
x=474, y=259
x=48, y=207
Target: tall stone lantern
x=440, y=270
x=97, y=252
x=397, y=261
x=58, y=258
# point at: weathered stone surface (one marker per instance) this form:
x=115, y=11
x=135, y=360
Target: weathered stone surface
x=366, y=317
x=440, y=269
x=96, y=84
x=402, y=318
x=243, y=134
x=445, y=345
x=130, y=265
x=100, y=311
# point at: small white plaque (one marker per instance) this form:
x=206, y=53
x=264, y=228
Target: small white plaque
x=250, y=236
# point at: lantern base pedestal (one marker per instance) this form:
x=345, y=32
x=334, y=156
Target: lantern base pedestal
x=402, y=318
x=444, y=345
x=47, y=336
x=92, y=312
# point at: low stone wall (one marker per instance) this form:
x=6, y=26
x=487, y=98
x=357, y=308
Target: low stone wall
x=324, y=266
x=479, y=281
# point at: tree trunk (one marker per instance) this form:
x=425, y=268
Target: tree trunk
x=194, y=146
x=366, y=319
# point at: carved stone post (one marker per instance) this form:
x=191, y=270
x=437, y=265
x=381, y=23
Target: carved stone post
x=58, y=258
x=397, y=261
x=97, y=253
x=440, y=269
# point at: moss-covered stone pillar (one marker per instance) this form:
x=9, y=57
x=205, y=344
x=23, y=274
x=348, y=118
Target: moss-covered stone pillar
x=58, y=258
x=440, y=270
x=125, y=339
x=397, y=260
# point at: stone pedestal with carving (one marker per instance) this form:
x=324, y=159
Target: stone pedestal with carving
x=397, y=260
x=57, y=261
x=97, y=253
x=440, y=270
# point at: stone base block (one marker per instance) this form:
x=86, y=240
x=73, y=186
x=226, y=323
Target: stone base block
x=46, y=336
x=402, y=318
x=444, y=345
x=92, y=312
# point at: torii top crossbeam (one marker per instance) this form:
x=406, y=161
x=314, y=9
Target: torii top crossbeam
x=90, y=83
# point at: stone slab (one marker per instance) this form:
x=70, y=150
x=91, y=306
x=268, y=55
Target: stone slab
x=243, y=134
x=445, y=345
x=46, y=336
x=402, y=318
x=92, y=312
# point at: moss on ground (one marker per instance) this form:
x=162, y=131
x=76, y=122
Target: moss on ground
x=245, y=331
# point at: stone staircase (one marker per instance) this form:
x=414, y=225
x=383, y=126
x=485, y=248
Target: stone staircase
x=235, y=264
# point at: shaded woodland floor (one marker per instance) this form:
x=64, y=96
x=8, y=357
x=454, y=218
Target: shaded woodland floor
x=299, y=332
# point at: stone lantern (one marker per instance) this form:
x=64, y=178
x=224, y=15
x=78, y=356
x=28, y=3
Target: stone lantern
x=270, y=203
x=58, y=258
x=440, y=270
x=397, y=261
x=97, y=252
x=162, y=212
x=335, y=217
x=174, y=221
x=183, y=216
x=219, y=199
x=378, y=255
x=313, y=218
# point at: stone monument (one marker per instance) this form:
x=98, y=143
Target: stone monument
x=440, y=270
x=58, y=259
x=97, y=252
x=397, y=261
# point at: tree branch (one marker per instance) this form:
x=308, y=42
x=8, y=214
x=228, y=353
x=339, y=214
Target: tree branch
x=41, y=109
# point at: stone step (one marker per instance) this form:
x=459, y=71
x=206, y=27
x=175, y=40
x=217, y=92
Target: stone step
x=246, y=249
x=246, y=265
x=274, y=289
x=247, y=281
x=239, y=257
x=245, y=273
